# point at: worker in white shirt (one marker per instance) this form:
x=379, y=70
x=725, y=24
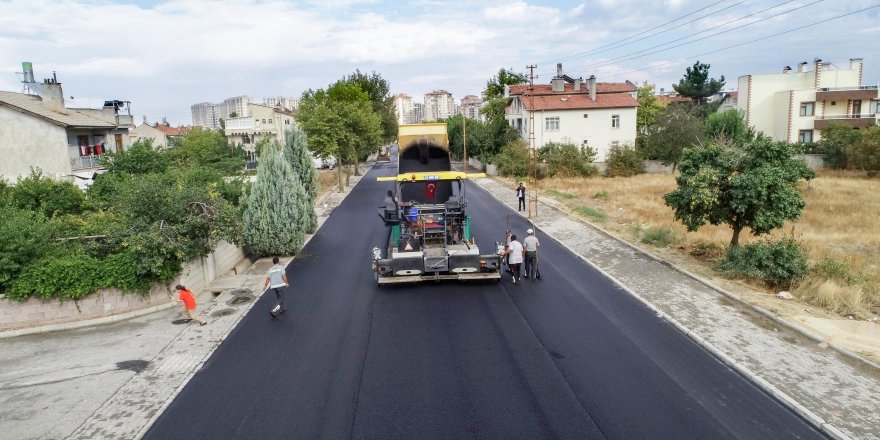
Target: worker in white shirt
x=531, y=245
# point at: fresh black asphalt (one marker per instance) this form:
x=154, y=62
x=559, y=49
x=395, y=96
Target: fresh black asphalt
x=570, y=356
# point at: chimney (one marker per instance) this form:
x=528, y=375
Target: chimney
x=559, y=69
x=577, y=84
x=49, y=90
x=591, y=85
x=802, y=67
x=786, y=69
x=557, y=84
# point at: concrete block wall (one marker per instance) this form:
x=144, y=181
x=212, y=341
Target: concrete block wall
x=196, y=275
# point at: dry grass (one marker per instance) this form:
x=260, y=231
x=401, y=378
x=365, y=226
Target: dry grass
x=327, y=179
x=841, y=225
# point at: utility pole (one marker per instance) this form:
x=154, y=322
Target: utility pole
x=464, y=134
x=532, y=186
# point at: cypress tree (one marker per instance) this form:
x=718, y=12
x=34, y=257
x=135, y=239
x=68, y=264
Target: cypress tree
x=297, y=153
x=273, y=223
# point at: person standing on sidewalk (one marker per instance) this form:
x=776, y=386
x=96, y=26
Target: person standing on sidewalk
x=531, y=245
x=521, y=197
x=185, y=296
x=277, y=281
x=515, y=250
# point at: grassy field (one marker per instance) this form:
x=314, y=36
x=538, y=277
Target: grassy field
x=840, y=229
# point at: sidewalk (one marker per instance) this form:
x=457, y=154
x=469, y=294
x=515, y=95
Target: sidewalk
x=833, y=390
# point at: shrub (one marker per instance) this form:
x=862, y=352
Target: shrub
x=831, y=269
x=776, y=263
x=567, y=160
x=660, y=237
x=24, y=237
x=513, y=160
x=70, y=277
x=49, y=196
x=865, y=154
x=623, y=161
x=139, y=158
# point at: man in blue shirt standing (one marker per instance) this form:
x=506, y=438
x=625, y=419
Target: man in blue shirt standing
x=277, y=281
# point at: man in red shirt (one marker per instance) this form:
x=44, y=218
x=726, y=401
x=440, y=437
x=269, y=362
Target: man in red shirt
x=189, y=304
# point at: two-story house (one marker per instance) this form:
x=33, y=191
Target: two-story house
x=586, y=113
x=262, y=122
x=38, y=131
x=796, y=105
x=162, y=134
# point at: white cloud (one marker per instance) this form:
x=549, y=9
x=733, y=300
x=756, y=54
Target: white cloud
x=522, y=12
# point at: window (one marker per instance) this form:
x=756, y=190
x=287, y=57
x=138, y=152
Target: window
x=874, y=107
x=807, y=109
x=615, y=121
x=551, y=124
x=586, y=116
x=270, y=121
x=264, y=121
x=805, y=136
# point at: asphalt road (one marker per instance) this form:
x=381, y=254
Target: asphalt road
x=570, y=356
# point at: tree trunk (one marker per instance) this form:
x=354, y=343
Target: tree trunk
x=734, y=241
x=341, y=187
x=357, y=171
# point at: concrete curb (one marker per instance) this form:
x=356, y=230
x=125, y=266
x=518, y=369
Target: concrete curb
x=766, y=386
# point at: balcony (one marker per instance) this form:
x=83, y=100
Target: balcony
x=855, y=121
x=85, y=162
x=840, y=93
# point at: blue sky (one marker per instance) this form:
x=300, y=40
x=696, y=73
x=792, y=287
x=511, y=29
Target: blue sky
x=166, y=55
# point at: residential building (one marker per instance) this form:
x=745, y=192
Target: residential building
x=403, y=108
x=796, y=105
x=470, y=106
x=208, y=115
x=262, y=122
x=205, y=115
x=39, y=131
x=438, y=105
x=418, y=113
x=162, y=134
x=288, y=103
x=586, y=113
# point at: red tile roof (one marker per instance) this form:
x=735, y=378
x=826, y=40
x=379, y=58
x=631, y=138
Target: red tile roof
x=668, y=99
x=608, y=95
x=171, y=131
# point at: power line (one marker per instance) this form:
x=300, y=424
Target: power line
x=744, y=43
x=648, y=50
x=604, y=49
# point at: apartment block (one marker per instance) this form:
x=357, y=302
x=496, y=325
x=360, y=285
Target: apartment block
x=439, y=104
x=403, y=108
x=796, y=105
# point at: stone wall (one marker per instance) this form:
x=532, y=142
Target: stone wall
x=196, y=275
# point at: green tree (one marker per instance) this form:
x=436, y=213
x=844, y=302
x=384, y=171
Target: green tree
x=25, y=235
x=208, y=148
x=676, y=128
x=495, y=85
x=273, y=214
x=623, y=161
x=865, y=154
x=649, y=107
x=296, y=152
x=696, y=83
x=46, y=195
x=754, y=186
x=729, y=127
x=379, y=93
x=836, y=140
x=139, y=158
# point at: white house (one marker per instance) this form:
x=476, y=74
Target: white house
x=585, y=113
x=795, y=105
x=38, y=131
x=162, y=134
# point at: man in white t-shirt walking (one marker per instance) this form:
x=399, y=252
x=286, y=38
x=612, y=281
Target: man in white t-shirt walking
x=277, y=281
x=515, y=250
x=531, y=245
